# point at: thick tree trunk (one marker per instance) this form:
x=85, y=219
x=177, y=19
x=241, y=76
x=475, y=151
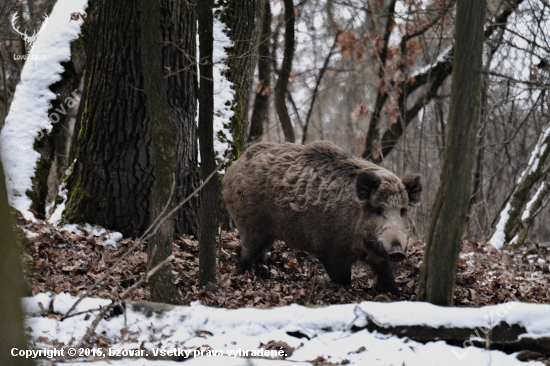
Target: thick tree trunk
x=210, y=194
x=263, y=90
x=243, y=17
x=112, y=179
x=448, y=218
x=12, y=286
x=284, y=73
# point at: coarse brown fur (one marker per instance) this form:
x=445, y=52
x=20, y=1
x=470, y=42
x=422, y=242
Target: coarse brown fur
x=317, y=198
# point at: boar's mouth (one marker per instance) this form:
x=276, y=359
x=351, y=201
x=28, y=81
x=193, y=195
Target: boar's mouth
x=396, y=254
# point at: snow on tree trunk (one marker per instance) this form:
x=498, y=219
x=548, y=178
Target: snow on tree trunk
x=28, y=116
x=510, y=222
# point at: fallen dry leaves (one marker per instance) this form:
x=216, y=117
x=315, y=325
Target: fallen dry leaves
x=57, y=260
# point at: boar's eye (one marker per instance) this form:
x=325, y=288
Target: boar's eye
x=377, y=211
x=403, y=212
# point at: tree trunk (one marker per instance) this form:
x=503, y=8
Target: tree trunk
x=430, y=81
x=243, y=17
x=112, y=179
x=210, y=193
x=54, y=147
x=162, y=33
x=510, y=217
x=373, y=149
x=260, y=112
x=450, y=209
x=284, y=74
x=12, y=286
x=30, y=17
x=533, y=208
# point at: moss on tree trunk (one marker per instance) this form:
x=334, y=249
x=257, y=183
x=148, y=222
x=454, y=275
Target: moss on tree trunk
x=448, y=218
x=113, y=176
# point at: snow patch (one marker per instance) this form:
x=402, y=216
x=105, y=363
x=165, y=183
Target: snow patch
x=497, y=240
x=28, y=114
x=55, y=217
x=328, y=330
x=527, y=211
x=440, y=59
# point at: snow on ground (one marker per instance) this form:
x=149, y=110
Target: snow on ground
x=323, y=332
x=28, y=114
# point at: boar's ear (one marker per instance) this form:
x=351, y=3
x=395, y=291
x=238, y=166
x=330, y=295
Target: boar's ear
x=367, y=183
x=414, y=188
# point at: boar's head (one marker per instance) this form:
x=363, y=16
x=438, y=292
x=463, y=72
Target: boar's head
x=383, y=227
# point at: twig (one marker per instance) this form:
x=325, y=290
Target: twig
x=317, y=84
x=219, y=246
x=95, y=323
x=145, y=277
x=184, y=201
x=138, y=243
x=84, y=312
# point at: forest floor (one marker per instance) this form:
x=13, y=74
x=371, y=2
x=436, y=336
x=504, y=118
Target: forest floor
x=61, y=260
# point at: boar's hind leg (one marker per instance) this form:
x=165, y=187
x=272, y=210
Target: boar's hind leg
x=384, y=276
x=251, y=251
x=338, y=271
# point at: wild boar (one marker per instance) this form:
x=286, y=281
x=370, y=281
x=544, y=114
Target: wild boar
x=319, y=199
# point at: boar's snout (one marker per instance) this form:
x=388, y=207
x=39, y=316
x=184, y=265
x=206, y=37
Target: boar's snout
x=396, y=254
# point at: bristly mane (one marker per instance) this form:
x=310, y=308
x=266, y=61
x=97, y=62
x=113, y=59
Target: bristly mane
x=313, y=173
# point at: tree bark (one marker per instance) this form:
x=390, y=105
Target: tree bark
x=260, y=111
x=243, y=18
x=112, y=179
x=12, y=286
x=539, y=201
x=54, y=147
x=284, y=74
x=160, y=35
x=450, y=209
x=211, y=192
x=31, y=16
x=372, y=146
x=511, y=213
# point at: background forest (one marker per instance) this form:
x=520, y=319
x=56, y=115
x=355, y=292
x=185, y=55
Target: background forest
x=371, y=76
x=133, y=110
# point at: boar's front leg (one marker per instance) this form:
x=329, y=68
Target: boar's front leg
x=338, y=269
x=384, y=276
x=252, y=249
